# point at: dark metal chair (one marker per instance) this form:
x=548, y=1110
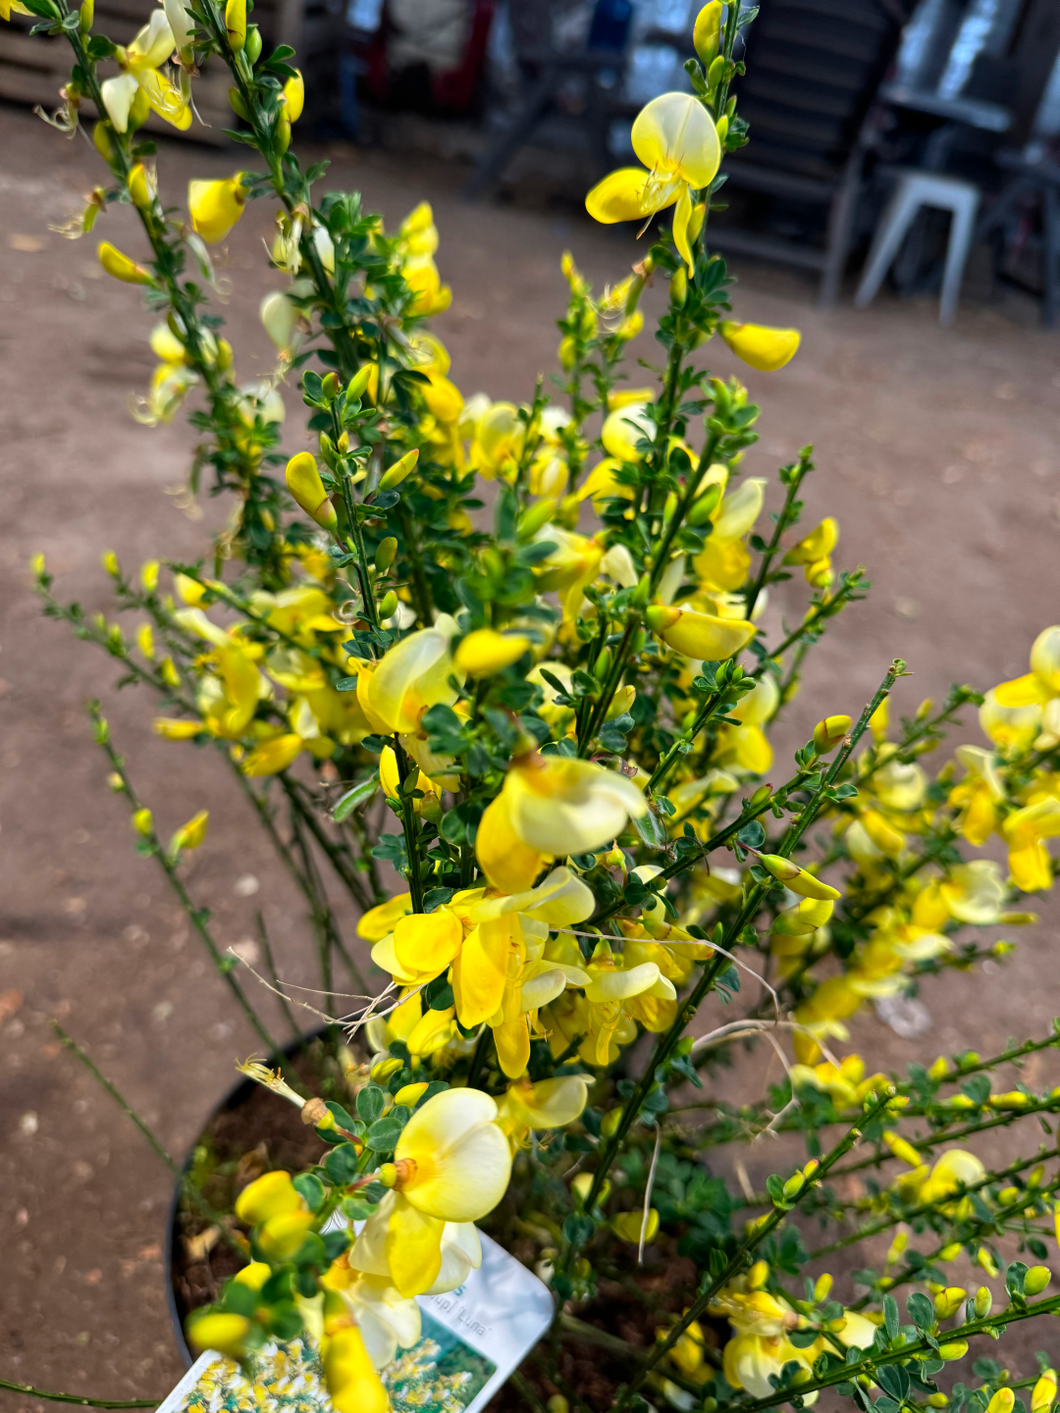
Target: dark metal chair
x=814, y=68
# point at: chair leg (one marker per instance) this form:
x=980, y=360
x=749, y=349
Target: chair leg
x=900, y=211
x=509, y=143
x=1051, y=255
x=840, y=224
x=962, y=226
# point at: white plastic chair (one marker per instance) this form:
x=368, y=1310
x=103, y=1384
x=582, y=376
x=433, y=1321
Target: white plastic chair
x=916, y=189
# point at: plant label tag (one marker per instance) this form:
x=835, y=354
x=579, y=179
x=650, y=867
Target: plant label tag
x=471, y=1340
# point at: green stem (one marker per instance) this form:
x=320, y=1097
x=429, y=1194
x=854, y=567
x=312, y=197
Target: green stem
x=196, y=916
x=51, y=1397
x=764, y=1228
x=786, y=517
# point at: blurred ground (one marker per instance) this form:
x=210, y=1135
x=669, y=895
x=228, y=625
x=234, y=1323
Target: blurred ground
x=937, y=450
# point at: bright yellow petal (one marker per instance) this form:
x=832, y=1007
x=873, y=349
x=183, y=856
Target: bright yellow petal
x=413, y=1248
x=427, y=942
x=623, y=196
x=512, y=1040
x=480, y=971
x=674, y=134
x=1029, y=690
x=510, y=865
x=682, y=218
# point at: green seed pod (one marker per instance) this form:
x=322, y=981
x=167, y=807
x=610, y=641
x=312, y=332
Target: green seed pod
x=385, y=554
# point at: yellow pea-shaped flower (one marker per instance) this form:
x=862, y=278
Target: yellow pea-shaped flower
x=761, y=347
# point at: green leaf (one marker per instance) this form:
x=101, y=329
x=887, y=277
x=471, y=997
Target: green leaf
x=312, y=1189
x=384, y=1134
x=370, y=1103
x=342, y=1116
x=353, y=799
x=341, y=1164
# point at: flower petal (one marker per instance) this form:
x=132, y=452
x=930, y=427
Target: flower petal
x=674, y=134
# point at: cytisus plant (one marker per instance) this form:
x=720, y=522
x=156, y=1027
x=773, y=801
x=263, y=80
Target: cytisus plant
x=535, y=759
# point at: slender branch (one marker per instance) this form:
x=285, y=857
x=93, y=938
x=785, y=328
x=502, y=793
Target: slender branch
x=51, y=1397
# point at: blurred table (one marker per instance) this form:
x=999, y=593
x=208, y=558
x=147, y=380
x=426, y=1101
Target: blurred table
x=970, y=112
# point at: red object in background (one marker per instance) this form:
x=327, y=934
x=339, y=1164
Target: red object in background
x=456, y=90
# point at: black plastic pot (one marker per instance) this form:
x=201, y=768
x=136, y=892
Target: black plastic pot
x=236, y=1097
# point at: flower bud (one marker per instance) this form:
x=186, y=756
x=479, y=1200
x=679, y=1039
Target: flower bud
x=902, y=1149
x=235, y=100
x=120, y=266
x=1036, y=1279
x=948, y=1301
x=86, y=15
x=359, y=382
x=236, y=23
x=532, y=519
x=268, y=1196
x=955, y=1349
x=279, y=319
x=716, y=71
x=294, y=97
x=629, y=1226
x=796, y=878
x=252, y=48
x=388, y=605
x=760, y=347
x=399, y=470
x=705, y=506
x=219, y=1330
x=282, y=1235
x=706, y=35
x=385, y=1068
x=1002, y=1401
x=609, y=1123
x=1043, y=1395
x=757, y=1275
x=141, y=187
x=104, y=142
x=386, y=554
x=822, y=1289
x=305, y=485
x=950, y=1251
x=283, y=131
x=722, y=126
x=109, y=560
x=411, y=1094
x=143, y=820
x=557, y=1404
x=191, y=835
x=828, y=734
x=679, y=288
x=486, y=652
x=331, y=386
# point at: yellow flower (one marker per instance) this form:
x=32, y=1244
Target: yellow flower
x=273, y=755
x=218, y=1330
x=271, y=1195
x=551, y=1103
x=486, y=652
x=121, y=267
x=352, y=1381
x=551, y=805
x=1024, y=831
x=699, y=636
x=569, y=568
x=216, y=206
x=761, y=347
x=191, y=835
x=675, y=137
x=813, y=551
x=304, y=483
x=956, y=1168
x=140, y=63
x=412, y=676
x=451, y=1164
x=1043, y=681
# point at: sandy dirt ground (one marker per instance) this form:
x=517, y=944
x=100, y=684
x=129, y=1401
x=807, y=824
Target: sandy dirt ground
x=937, y=450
